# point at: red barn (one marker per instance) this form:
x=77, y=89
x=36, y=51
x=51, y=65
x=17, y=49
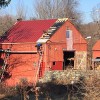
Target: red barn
x=96, y=55
x=30, y=48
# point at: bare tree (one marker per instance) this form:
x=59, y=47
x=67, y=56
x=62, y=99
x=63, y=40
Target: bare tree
x=96, y=18
x=21, y=10
x=6, y=22
x=96, y=13
x=57, y=9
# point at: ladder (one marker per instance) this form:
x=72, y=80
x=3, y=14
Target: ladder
x=39, y=64
x=3, y=70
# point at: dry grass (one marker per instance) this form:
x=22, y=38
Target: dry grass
x=82, y=90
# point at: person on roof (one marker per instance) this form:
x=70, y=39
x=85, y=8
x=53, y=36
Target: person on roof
x=39, y=48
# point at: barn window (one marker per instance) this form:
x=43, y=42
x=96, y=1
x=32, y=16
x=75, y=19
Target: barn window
x=54, y=63
x=67, y=33
x=69, y=39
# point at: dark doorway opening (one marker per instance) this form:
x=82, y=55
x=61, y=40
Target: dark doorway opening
x=1, y=62
x=97, y=63
x=68, y=57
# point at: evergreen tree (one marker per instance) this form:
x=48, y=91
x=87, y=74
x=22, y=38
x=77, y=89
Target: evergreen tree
x=4, y=3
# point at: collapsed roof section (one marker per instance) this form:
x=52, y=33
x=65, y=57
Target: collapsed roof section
x=47, y=34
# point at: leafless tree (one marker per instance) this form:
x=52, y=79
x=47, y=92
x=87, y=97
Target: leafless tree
x=6, y=22
x=46, y=9
x=96, y=13
x=20, y=10
x=96, y=18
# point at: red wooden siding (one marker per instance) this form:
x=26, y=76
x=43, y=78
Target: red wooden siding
x=58, y=44
x=23, y=65
x=57, y=66
x=96, y=49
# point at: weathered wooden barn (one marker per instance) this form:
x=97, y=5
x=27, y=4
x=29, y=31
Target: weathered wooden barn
x=96, y=55
x=30, y=48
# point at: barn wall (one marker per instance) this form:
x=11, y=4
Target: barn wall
x=23, y=66
x=58, y=44
x=79, y=43
x=55, y=56
x=96, y=53
x=96, y=49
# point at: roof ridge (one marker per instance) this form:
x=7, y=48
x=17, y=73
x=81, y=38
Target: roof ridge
x=36, y=20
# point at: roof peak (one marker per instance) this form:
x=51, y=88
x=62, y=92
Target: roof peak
x=45, y=19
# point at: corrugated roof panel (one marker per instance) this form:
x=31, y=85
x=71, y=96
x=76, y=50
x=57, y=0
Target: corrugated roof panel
x=28, y=31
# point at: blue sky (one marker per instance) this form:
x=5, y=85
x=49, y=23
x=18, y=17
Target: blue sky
x=85, y=7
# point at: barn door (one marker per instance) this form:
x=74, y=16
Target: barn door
x=68, y=59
